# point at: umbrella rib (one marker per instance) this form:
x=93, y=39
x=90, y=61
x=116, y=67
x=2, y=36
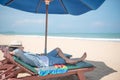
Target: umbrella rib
x=86, y=5
x=62, y=4
x=38, y=6
x=9, y=2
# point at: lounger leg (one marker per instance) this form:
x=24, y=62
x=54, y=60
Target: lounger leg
x=81, y=75
x=12, y=74
x=4, y=61
x=6, y=68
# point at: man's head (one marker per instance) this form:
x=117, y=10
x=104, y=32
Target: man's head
x=15, y=45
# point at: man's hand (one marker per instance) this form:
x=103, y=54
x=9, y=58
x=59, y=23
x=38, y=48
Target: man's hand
x=3, y=47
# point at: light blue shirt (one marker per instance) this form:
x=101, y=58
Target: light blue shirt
x=32, y=59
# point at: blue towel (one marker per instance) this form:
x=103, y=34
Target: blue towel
x=57, y=69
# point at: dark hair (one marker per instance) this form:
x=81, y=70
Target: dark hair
x=12, y=48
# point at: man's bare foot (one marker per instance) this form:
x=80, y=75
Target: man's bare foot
x=76, y=60
x=83, y=57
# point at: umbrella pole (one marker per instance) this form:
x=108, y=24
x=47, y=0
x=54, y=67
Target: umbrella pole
x=46, y=27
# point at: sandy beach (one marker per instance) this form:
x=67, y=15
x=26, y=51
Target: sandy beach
x=104, y=54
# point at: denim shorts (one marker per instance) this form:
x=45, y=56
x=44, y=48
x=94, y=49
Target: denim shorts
x=54, y=58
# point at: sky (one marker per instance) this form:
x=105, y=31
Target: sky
x=105, y=19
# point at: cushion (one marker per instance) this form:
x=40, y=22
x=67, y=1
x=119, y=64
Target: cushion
x=81, y=64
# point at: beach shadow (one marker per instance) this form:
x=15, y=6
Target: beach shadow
x=100, y=71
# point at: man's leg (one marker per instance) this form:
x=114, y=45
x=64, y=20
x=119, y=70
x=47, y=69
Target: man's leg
x=54, y=58
x=70, y=61
x=53, y=53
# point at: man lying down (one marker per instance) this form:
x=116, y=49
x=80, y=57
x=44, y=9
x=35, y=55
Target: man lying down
x=55, y=56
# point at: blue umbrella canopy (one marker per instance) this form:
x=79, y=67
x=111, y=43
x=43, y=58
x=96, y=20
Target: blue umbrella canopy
x=73, y=7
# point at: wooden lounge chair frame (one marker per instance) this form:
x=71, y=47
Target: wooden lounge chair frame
x=11, y=74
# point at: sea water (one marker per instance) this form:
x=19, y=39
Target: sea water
x=90, y=36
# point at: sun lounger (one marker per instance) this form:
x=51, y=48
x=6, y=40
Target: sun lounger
x=21, y=67
x=78, y=69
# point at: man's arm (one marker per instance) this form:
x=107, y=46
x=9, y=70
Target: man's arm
x=2, y=62
x=5, y=48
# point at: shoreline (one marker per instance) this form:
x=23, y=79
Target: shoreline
x=62, y=37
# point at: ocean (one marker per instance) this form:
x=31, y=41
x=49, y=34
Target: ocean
x=95, y=36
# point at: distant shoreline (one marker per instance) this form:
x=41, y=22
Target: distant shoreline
x=61, y=37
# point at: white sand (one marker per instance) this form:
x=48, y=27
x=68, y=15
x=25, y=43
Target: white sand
x=105, y=55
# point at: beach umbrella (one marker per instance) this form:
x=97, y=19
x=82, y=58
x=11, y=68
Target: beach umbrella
x=73, y=7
